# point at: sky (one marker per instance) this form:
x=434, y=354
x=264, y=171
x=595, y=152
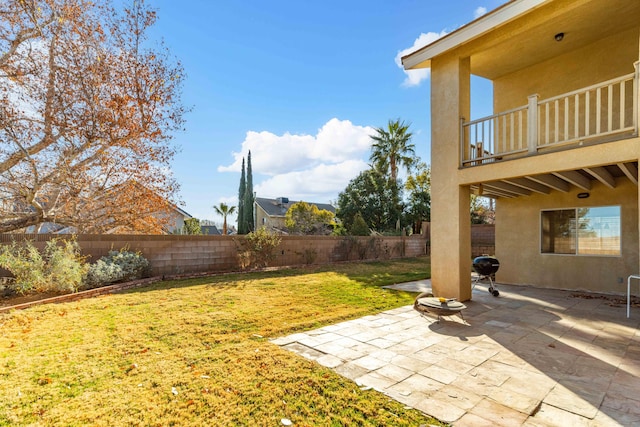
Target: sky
x=300, y=84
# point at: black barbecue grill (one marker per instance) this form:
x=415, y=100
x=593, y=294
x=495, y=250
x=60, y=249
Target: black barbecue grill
x=486, y=267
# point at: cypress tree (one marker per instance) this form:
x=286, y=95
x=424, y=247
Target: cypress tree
x=241, y=193
x=249, y=198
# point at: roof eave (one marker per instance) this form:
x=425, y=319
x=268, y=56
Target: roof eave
x=421, y=58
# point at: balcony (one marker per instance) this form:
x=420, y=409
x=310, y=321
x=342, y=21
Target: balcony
x=602, y=112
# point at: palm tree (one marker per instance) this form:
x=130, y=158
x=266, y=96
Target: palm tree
x=392, y=148
x=224, y=210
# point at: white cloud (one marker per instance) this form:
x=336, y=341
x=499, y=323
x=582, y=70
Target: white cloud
x=314, y=168
x=481, y=10
x=319, y=184
x=415, y=77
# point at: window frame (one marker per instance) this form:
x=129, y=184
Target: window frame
x=576, y=232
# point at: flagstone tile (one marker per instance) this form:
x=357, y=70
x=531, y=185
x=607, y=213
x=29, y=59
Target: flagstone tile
x=329, y=361
x=580, y=401
x=457, y=396
x=417, y=382
x=514, y=400
x=558, y=417
x=370, y=363
x=351, y=370
x=394, y=372
x=375, y=380
x=440, y=410
x=439, y=374
x=499, y=414
x=410, y=363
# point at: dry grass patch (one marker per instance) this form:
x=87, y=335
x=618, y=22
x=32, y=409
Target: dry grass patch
x=196, y=352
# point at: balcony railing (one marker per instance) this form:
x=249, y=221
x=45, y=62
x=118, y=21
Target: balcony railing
x=595, y=112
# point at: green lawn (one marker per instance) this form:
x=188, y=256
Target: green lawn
x=197, y=352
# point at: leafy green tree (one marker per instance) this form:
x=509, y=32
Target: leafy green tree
x=392, y=148
x=224, y=210
x=359, y=226
x=373, y=196
x=481, y=213
x=306, y=218
x=249, y=198
x=242, y=229
x=191, y=226
x=418, y=185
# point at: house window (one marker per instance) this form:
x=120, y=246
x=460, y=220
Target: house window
x=581, y=231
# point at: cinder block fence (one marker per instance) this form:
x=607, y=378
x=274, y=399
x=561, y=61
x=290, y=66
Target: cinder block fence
x=173, y=254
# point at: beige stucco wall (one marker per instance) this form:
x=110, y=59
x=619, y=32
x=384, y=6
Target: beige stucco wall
x=601, y=61
x=451, y=238
x=518, y=242
x=262, y=219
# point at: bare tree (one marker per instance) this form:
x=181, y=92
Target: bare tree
x=87, y=110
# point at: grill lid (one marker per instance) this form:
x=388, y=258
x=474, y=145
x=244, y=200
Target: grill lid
x=486, y=265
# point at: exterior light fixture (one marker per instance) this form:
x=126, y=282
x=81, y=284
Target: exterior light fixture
x=559, y=37
x=583, y=195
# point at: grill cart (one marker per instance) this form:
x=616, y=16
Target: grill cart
x=486, y=267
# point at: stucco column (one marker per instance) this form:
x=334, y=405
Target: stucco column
x=450, y=218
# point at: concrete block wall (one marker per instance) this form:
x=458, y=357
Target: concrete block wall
x=483, y=234
x=173, y=254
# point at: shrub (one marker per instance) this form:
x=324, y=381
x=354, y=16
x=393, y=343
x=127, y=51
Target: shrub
x=359, y=226
x=59, y=268
x=257, y=248
x=65, y=266
x=117, y=266
x=309, y=255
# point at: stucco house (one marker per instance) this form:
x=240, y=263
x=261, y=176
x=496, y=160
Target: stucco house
x=559, y=155
x=270, y=213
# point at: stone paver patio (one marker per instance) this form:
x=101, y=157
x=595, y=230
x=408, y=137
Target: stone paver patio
x=533, y=357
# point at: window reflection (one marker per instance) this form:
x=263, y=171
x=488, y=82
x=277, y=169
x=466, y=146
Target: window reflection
x=582, y=231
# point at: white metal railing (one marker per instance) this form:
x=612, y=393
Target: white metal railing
x=596, y=111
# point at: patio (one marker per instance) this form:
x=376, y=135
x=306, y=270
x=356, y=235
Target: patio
x=532, y=357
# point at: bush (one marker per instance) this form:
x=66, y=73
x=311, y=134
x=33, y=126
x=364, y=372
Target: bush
x=257, y=248
x=66, y=267
x=359, y=226
x=59, y=268
x=117, y=266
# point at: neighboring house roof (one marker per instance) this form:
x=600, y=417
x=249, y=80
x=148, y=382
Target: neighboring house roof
x=280, y=206
x=53, y=228
x=182, y=212
x=210, y=230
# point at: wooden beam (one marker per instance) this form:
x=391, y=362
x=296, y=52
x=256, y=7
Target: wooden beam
x=510, y=188
x=551, y=181
x=630, y=170
x=575, y=178
x=527, y=184
x=492, y=192
x=602, y=175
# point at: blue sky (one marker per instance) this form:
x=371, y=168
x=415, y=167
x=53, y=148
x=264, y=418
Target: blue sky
x=301, y=84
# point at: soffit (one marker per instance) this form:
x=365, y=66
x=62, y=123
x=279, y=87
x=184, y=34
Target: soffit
x=517, y=39
x=563, y=181
x=518, y=46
